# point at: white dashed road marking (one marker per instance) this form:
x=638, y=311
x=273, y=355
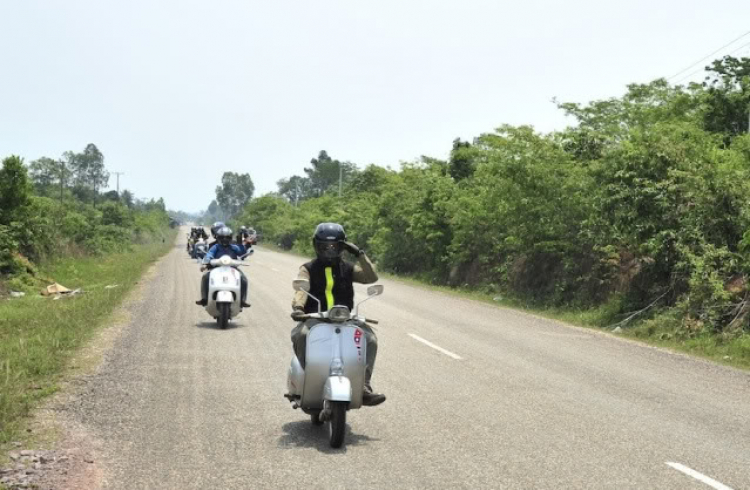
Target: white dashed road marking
x=699, y=476
x=436, y=347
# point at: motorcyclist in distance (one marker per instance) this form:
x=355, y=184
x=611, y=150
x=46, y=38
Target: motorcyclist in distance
x=214, y=230
x=242, y=234
x=222, y=248
x=331, y=281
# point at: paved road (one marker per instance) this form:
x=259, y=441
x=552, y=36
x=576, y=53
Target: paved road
x=512, y=401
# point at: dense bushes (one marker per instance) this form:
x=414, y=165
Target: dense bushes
x=643, y=202
x=34, y=227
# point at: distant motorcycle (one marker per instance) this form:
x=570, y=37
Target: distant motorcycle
x=224, y=290
x=200, y=249
x=333, y=379
x=190, y=243
x=253, y=235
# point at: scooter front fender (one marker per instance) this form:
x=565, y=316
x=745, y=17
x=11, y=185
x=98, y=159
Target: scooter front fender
x=224, y=297
x=337, y=389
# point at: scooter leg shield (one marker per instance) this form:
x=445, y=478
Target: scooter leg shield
x=337, y=389
x=296, y=379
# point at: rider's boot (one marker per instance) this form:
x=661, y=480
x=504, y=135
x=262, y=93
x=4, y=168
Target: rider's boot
x=370, y=399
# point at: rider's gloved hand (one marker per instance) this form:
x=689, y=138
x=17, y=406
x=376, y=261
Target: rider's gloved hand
x=298, y=314
x=353, y=249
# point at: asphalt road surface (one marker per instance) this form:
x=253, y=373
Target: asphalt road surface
x=478, y=397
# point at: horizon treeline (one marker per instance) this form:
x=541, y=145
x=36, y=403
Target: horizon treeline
x=54, y=208
x=642, y=205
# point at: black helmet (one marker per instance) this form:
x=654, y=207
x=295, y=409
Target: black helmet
x=224, y=236
x=216, y=227
x=328, y=241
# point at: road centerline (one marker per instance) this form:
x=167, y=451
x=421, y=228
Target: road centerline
x=436, y=347
x=698, y=476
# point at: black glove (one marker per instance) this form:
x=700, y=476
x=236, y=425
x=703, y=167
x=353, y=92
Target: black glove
x=298, y=314
x=353, y=249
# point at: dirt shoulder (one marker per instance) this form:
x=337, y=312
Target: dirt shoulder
x=57, y=452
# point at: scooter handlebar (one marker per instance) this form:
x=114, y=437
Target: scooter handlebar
x=323, y=316
x=219, y=263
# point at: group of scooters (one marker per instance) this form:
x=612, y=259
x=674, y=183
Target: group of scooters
x=197, y=246
x=224, y=280
x=332, y=381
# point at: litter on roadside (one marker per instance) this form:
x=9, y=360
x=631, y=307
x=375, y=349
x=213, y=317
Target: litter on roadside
x=60, y=291
x=55, y=289
x=68, y=294
x=17, y=294
x=112, y=286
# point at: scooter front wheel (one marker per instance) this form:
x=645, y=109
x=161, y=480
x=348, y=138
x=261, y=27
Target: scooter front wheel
x=224, y=312
x=337, y=424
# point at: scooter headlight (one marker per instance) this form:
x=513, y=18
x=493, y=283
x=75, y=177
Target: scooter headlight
x=337, y=367
x=338, y=314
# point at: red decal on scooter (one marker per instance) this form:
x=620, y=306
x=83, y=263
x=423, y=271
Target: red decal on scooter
x=358, y=341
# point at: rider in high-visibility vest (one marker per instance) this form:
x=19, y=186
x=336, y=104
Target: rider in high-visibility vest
x=331, y=281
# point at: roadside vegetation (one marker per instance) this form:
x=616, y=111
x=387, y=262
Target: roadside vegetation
x=637, y=216
x=57, y=227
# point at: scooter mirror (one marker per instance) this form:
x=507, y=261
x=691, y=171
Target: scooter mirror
x=301, y=285
x=375, y=290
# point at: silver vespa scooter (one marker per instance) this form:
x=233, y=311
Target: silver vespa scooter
x=333, y=379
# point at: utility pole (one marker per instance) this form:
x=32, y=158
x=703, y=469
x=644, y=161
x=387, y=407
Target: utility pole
x=341, y=175
x=62, y=181
x=118, y=181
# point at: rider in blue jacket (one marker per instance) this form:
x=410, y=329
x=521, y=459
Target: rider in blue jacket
x=224, y=246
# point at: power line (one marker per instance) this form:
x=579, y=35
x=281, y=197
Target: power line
x=686, y=77
x=706, y=57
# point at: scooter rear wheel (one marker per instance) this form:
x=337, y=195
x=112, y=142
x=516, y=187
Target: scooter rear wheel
x=223, y=319
x=337, y=424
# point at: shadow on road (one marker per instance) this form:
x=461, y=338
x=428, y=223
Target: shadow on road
x=305, y=435
x=212, y=325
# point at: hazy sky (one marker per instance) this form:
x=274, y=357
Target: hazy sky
x=176, y=92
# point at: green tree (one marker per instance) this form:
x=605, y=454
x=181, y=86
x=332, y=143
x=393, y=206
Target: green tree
x=45, y=174
x=272, y=217
x=235, y=191
x=727, y=97
x=15, y=190
x=89, y=174
x=461, y=163
x=323, y=175
x=117, y=214
x=111, y=196
x=127, y=198
x=295, y=188
x=520, y=219
x=213, y=208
